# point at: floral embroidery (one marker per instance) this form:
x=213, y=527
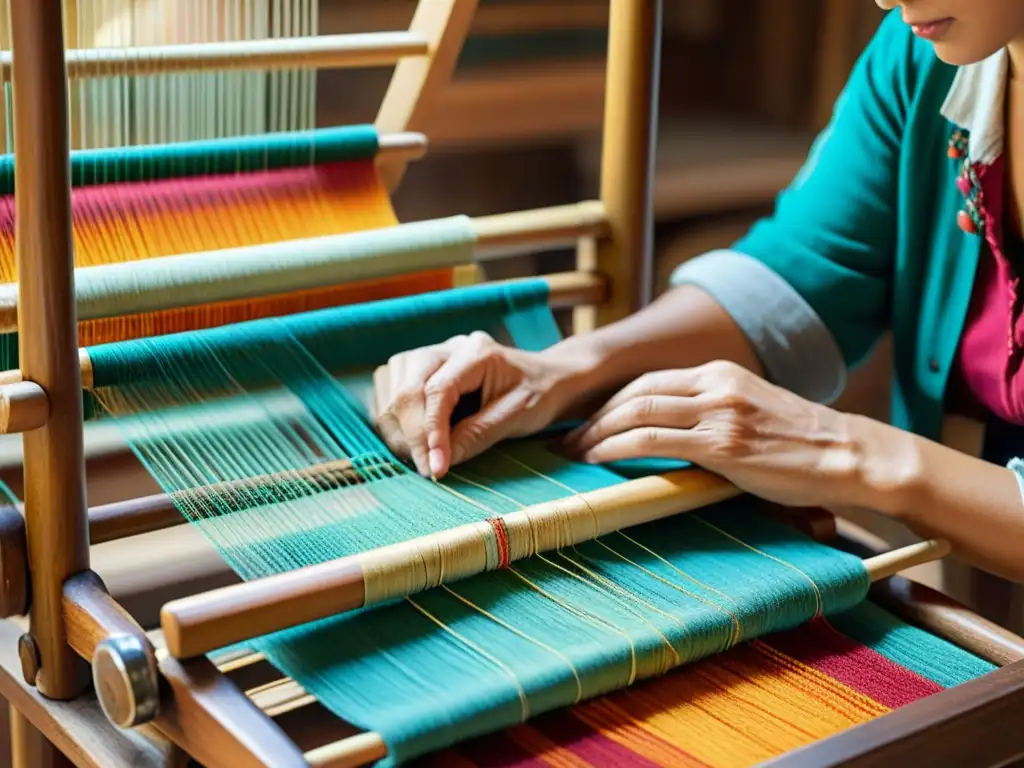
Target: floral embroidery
x=971, y=219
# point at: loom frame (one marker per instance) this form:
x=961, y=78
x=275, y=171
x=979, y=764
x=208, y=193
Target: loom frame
x=55, y=722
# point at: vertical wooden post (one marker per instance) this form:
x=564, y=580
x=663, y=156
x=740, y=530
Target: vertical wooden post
x=30, y=749
x=417, y=81
x=627, y=160
x=55, y=512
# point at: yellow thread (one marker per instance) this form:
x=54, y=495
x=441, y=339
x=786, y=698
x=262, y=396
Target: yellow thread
x=737, y=630
x=524, y=703
x=585, y=616
x=513, y=630
x=817, y=594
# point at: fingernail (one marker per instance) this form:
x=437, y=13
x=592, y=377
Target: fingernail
x=436, y=463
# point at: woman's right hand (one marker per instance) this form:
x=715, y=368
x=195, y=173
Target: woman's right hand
x=416, y=392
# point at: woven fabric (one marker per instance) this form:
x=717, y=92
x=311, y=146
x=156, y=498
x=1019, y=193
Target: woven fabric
x=345, y=337
x=112, y=165
x=742, y=707
x=132, y=221
x=492, y=650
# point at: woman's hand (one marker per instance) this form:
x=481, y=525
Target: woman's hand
x=416, y=393
x=764, y=439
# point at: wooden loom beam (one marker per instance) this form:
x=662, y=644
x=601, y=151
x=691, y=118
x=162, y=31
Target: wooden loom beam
x=202, y=623
x=55, y=512
x=24, y=405
x=494, y=236
x=373, y=49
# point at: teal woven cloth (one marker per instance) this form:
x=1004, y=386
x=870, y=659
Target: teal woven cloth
x=487, y=652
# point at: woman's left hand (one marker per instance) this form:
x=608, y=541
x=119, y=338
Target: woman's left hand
x=764, y=439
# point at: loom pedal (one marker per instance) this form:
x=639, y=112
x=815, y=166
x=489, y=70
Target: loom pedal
x=126, y=681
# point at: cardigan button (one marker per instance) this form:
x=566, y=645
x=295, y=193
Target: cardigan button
x=933, y=365
x=966, y=223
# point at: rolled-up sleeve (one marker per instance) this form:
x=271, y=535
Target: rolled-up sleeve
x=810, y=285
x=794, y=346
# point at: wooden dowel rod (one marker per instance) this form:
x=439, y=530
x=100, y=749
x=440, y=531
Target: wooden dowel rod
x=890, y=563
x=511, y=233
x=24, y=406
x=405, y=146
x=943, y=616
x=200, y=624
x=358, y=750
x=56, y=521
x=574, y=289
x=372, y=49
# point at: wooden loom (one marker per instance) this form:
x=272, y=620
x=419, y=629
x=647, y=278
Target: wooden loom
x=162, y=698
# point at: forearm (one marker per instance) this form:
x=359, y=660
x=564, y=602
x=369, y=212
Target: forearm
x=942, y=493
x=727, y=306
x=683, y=328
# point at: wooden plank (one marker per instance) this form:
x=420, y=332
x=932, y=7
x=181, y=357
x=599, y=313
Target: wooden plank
x=506, y=18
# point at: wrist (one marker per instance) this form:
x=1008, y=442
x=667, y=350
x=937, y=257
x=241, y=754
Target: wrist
x=577, y=372
x=889, y=475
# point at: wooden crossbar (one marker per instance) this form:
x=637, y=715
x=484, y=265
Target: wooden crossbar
x=373, y=49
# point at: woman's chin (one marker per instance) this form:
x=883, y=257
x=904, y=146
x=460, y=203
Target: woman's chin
x=959, y=54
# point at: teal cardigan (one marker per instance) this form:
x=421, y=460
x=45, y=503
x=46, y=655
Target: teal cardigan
x=864, y=240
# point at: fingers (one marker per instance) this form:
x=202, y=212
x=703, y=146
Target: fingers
x=646, y=442
x=493, y=423
x=463, y=373
x=400, y=402
x=407, y=410
x=416, y=393
x=647, y=411
x=671, y=383
x=387, y=424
